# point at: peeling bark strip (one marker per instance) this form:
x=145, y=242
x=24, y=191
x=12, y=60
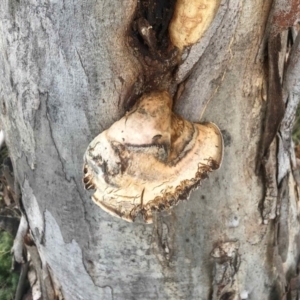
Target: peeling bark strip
x=275, y=105
x=271, y=186
x=150, y=159
x=227, y=263
x=281, y=18
x=281, y=109
x=18, y=247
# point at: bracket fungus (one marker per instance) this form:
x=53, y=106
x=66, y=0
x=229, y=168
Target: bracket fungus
x=150, y=159
x=190, y=20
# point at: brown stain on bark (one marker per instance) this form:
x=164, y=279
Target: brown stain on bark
x=148, y=39
x=285, y=18
x=275, y=105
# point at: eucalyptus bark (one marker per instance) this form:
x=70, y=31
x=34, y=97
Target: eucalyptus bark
x=68, y=70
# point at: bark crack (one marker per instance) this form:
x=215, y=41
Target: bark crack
x=97, y=285
x=53, y=139
x=81, y=62
x=83, y=205
x=43, y=237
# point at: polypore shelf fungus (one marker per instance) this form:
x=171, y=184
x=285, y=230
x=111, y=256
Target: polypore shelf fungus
x=150, y=159
x=190, y=20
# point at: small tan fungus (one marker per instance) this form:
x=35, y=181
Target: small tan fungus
x=190, y=20
x=150, y=159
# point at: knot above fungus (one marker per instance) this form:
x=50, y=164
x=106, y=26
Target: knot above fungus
x=190, y=20
x=150, y=159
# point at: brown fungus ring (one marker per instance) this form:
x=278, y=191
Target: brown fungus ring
x=150, y=159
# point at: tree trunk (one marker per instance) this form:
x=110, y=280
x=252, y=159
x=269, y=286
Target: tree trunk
x=69, y=69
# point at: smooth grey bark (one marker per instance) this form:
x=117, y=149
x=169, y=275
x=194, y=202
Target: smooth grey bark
x=66, y=70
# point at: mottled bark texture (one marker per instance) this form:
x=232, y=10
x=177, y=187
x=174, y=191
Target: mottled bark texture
x=69, y=69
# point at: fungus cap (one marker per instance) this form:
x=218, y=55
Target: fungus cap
x=150, y=159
